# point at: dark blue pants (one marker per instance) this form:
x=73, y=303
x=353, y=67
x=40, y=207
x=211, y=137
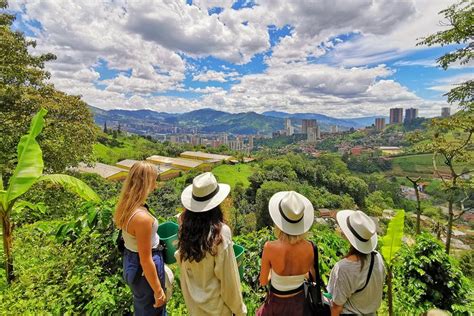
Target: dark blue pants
x=143, y=298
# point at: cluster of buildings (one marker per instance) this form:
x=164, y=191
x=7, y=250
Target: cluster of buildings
x=237, y=143
x=396, y=116
x=310, y=129
x=168, y=167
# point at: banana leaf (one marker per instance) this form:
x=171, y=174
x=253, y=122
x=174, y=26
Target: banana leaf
x=72, y=184
x=30, y=161
x=392, y=241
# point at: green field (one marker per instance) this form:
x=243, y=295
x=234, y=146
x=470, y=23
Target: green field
x=232, y=174
x=421, y=165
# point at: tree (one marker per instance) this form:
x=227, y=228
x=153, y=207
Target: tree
x=69, y=131
x=28, y=171
x=263, y=197
x=440, y=138
x=391, y=244
x=418, y=202
x=459, y=18
x=105, y=127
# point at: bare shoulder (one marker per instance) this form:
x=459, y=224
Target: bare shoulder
x=141, y=218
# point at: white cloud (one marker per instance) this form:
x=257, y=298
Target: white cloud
x=146, y=42
x=448, y=83
x=218, y=76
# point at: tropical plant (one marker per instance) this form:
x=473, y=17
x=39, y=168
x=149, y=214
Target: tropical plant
x=391, y=244
x=425, y=277
x=28, y=171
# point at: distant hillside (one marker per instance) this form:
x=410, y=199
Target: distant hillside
x=212, y=121
x=203, y=120
x=324, y=120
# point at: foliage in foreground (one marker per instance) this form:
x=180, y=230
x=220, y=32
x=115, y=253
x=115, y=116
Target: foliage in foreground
x=426, y=277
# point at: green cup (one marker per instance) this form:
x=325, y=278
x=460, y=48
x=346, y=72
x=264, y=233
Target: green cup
x=168, y=232
x=239, y=251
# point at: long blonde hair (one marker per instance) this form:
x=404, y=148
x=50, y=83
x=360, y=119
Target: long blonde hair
x=140, y=182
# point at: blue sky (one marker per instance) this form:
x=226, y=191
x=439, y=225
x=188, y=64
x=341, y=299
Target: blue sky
x=330, y=57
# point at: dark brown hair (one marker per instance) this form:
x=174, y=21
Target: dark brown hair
x=362, y=257
x=199, y=233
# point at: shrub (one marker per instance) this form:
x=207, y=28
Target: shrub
x=426, y=277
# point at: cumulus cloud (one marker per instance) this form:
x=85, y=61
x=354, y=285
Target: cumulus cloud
x=218, y=76
x=120, y=54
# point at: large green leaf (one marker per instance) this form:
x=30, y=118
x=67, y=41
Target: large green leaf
x=72, y=184
x=30, y=160
x=392, y=241
x=3, y=202
x=20, y=205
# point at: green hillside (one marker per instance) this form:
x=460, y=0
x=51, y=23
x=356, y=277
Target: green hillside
x=232, y=174
x=420, y=165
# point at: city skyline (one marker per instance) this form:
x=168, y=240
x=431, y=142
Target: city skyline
x=332, y=58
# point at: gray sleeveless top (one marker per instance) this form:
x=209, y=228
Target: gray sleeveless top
x=131, y=241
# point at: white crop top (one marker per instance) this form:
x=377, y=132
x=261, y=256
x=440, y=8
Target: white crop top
x=131, y=241
x=286, y=283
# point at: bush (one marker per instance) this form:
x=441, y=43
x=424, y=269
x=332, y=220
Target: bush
x=426, y=277
x=77, y=276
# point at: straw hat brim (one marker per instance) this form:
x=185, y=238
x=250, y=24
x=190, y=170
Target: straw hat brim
x=291, y=228
x=196, y=206
x=362, y=246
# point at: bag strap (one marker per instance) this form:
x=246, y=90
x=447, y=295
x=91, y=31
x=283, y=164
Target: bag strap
x=318, y=279
x=369, y=274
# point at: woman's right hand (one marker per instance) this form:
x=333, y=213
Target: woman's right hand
x=160, y=299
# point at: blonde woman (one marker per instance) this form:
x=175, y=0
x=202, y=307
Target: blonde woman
x=143, y=265
x=287, y=260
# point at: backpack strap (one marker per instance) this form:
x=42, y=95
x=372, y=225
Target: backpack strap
x=369, y=274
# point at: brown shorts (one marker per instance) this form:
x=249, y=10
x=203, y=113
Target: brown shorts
x=284, y=306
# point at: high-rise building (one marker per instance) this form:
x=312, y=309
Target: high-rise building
x=445, y=112
x=288, y=128
x=396, y=115
x=411, y=114
x=251, y=142
x=334, y=129
x=313, y=134
x=305, y=124
x=380, y=123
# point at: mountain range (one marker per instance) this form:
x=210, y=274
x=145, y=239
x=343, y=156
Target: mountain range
x=213, y=121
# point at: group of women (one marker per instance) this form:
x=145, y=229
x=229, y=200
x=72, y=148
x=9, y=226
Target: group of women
x=209, y=275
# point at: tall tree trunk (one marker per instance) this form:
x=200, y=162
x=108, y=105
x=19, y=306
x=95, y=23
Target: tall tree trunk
x=450, y=225
x=389, y=293
x=7, y=247
x=418, y=208
x=418, y=202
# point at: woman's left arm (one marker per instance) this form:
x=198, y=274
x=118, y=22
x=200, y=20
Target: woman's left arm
x=265, y=268
x=143, y=236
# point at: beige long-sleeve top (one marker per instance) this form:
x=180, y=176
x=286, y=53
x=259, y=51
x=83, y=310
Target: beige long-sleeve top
x=212, y=286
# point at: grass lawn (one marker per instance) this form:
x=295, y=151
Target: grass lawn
x=231, y=174
x=421, y=165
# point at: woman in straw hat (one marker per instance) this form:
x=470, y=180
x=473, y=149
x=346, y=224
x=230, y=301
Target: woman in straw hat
x=209, y=274
x=287, y=260
x=356, y=281
x=143, y=265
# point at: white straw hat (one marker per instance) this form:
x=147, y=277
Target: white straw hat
x=359, y=229
x=291, y=212
x=204, y=194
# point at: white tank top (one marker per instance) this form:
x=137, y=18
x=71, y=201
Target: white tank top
x=131, y=241
x=286, y=282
